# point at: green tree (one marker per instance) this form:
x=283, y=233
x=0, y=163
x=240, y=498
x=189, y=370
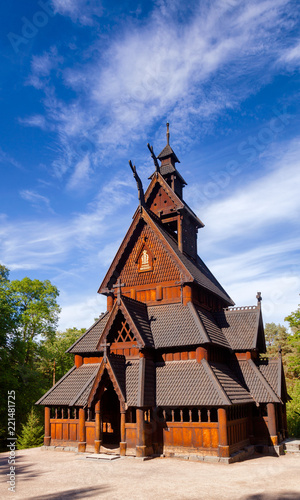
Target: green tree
x=54, y=361
x=32, y=432
x=28, y=313
x=294, y=343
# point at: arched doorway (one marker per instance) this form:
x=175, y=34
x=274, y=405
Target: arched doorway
x=110, y=410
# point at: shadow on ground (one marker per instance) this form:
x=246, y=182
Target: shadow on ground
x=74, y=494
x=283, y=495
x=27, y=471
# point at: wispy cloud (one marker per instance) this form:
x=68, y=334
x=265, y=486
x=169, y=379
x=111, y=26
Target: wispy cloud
x=35, y=244
x=35, y=121
x=271, y=200
x=41, y=67
x=292, y=54
x=81, y=174
x=180, y=63
x=7, y=159
x=80, y=11
x=82, y=312
x=36, y=200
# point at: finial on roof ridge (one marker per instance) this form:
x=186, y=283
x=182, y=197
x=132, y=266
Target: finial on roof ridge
x=259, y=298
x=168, y=134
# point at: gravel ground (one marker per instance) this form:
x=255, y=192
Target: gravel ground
x=52, y=475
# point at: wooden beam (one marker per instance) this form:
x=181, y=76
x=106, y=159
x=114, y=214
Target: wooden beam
x=123, y=444
x=272, y=423
x=82, y=440
x=223, y=438
x=47, y=438
x=97, y=427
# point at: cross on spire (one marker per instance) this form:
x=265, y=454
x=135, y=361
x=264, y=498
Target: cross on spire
x=168, y=134
x=118, y=287
x=105, y=346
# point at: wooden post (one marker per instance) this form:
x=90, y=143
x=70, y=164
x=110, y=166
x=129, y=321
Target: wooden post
x=110, y=302
x=179, y=233
x=187, y=294
x=47, y=438
x=223, y=439
x=272, y=423
x=78, y=360
x=82, y=441
x=123, y=434
x=285, y=421
x=140, y=428
x=97, y=427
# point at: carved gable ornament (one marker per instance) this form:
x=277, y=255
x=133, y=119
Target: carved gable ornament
x=145, y=258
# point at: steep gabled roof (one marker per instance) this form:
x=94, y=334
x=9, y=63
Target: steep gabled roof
x=73, y=389
x=87, y=343
x=180, y=204
x=234, y=389
x=191, y=271
x=115, y=367
x=136, y=315
x=242, y=327
x=215, y=334
x=166, y=152
x=256, y=383
x=188, y=383
x=272, y=370
x=175, y=325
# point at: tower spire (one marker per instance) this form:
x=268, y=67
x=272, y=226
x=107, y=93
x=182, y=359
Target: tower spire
x=168, y=134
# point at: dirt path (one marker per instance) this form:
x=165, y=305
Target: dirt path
x=52, y=475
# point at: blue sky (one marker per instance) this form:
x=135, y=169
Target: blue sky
x=86, y=84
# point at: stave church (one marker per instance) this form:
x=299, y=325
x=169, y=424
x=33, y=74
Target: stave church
x=172, y=368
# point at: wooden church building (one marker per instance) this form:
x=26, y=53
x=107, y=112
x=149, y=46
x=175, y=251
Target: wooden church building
x=172, y=368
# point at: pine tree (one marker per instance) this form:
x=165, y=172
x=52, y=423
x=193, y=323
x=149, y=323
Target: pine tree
x=32, y=432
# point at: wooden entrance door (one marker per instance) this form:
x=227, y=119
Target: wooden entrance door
x=111, y=419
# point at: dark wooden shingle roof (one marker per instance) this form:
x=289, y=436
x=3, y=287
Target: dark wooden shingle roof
x=87, y=343
x=240, y=326
x=73, y=389
x=257, y=385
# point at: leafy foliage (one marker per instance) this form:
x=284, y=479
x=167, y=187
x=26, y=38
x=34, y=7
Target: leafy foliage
x=28, y=312
x=277, y=336
x=54, y=362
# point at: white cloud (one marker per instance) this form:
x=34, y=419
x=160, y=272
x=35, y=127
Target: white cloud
x=292, y=55
x=35, y=121
x=271, y=200
x=6, y=158
x=41, y=67
x=156, y=69
x=34, y=244
x=81, y=311
x=36, y=200
x=81, y=174
x=80, y=11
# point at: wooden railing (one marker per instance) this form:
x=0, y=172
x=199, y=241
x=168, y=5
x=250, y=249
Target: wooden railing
x=197, y=437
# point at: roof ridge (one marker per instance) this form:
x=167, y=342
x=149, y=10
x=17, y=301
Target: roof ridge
x=88, y=330
x=72, y=403
x=215, y=381
x=239, y=308
x=198, y=321
x=263, y=379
